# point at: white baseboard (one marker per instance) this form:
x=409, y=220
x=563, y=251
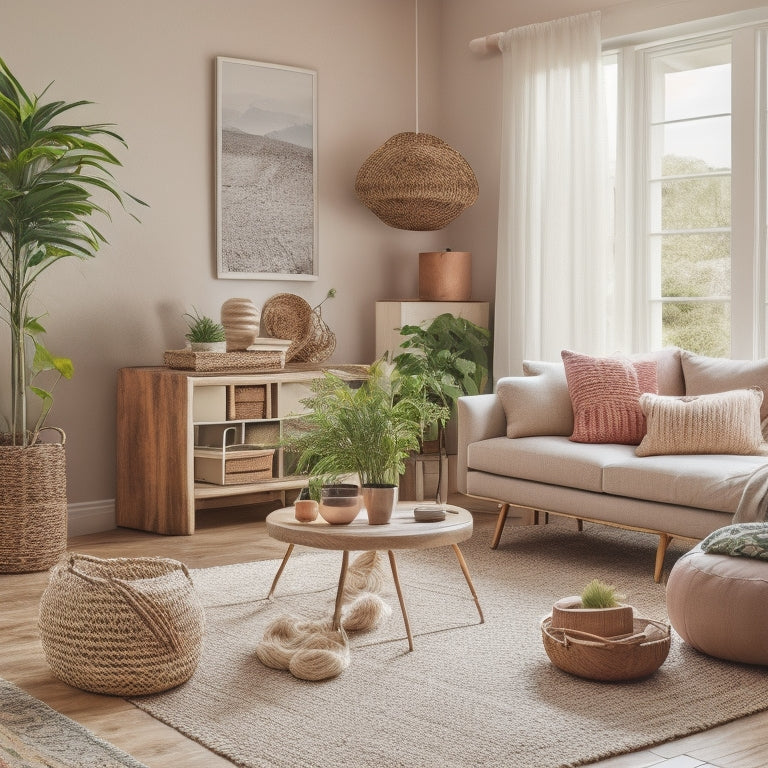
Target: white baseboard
x=90, y=517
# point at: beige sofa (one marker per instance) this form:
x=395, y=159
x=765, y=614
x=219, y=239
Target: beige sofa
x=514, y=448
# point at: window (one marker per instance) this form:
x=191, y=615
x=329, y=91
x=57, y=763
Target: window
x=690, y=212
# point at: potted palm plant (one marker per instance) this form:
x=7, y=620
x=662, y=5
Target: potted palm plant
x=368, y=430
x=49, y=173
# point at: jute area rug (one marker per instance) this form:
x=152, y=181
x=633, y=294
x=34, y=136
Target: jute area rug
x=32, y=735
x=469, y=694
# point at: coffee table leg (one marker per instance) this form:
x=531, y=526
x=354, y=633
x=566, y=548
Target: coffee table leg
x=340, y=591
x=280, y=570
x=393, y=566
x=465, y=571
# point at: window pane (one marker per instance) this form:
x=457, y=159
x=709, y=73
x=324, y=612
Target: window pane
x=694, y=146
x=695, y=265
x=692, y=203
x=701, y=327
x=692, y=83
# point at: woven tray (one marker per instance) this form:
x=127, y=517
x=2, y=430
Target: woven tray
x=249, y=360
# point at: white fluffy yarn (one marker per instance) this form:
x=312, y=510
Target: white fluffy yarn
x=312, y=650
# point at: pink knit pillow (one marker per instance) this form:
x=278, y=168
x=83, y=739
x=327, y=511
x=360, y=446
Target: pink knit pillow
x=605, y=392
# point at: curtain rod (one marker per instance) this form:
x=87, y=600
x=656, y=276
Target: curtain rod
x=487, y=44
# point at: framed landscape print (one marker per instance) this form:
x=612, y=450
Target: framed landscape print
x=266, y=171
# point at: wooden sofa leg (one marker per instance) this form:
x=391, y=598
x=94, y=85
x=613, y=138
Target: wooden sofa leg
x=664, y=540
x=500, y=525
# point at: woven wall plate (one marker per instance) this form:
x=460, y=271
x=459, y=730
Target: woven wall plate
x=416, y=181
x=288, y=316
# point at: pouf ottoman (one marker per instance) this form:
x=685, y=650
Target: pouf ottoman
x=718, y=603
x=121, y=626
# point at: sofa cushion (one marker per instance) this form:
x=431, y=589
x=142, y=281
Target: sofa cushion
x=669, y=369
x=605, y=392
x=739, y=540
x=728, y=422
x=555, y=460
x=537, y=403
x=706, y=481
x=706, y=375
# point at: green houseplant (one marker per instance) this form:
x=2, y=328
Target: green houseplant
x=368, y=430
x=205, y=333
x=50, y=173
x=448, y=357
x=598, y=611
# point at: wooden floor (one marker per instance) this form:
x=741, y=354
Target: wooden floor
x=233, y=536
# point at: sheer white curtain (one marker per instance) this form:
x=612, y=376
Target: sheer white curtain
x=552, y=277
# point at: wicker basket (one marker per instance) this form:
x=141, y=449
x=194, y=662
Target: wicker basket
x=33, y=506
x=250, y=360
x=599, y=658
x=124, y=626
x=320, y=341
x=288, y=316
x=416, y=181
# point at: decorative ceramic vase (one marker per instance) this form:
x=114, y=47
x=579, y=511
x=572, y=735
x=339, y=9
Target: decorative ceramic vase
x=379, y=501
x=305, y=510
x=240, y=318
x=567, y=613
x=340, y=504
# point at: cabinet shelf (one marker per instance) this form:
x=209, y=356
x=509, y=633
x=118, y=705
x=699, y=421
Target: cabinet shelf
x=165, y=416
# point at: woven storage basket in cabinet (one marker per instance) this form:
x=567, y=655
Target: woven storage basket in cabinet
x=122, y=626
x=33, y=507
x=247, y=401
x=233, y=464
x=608, y=659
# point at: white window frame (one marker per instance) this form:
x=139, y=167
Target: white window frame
x=636, y=324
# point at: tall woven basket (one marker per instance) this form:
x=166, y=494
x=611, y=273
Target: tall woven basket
x=33, y=506
x=121, y=626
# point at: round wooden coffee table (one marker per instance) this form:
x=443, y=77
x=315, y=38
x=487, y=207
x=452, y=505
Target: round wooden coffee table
x=402, y=532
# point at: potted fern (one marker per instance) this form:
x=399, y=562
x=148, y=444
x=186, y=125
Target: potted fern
x=368, y=430
x=49, y=173
x=205, y=334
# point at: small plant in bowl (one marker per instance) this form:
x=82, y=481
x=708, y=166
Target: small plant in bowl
x=598, y=610
x=598, y=594
x=205, y=334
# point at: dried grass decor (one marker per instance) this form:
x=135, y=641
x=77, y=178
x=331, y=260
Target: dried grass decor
x=33, y=506
x=121, y=626
x=416, y=181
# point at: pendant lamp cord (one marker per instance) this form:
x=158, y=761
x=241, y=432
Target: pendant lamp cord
x=416, y=27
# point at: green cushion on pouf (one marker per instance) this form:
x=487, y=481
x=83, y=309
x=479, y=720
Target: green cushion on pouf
x=739, y=540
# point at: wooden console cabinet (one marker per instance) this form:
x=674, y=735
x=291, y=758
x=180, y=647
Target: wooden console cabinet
x=163, y=415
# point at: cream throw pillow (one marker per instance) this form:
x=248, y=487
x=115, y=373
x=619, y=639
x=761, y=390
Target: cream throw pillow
x=727, y=423
x=537, y=403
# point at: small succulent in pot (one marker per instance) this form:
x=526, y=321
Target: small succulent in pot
x=598, y=594
x=205, y=334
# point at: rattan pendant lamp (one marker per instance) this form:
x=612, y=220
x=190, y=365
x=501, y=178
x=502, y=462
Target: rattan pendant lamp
x=414, y=180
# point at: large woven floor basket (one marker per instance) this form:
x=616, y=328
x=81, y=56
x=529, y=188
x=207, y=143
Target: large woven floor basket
x=123, y=626
x=33, y=507
x=608, y=659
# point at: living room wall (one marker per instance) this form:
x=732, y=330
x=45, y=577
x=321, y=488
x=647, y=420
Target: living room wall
x=149, y=67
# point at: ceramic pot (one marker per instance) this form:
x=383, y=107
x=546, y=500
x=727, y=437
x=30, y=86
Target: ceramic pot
x=445, y=276
x=340, y=504
x=241, y=319
x=567, y=613
x=379, y=501
x=208, y=346
x=305, y=510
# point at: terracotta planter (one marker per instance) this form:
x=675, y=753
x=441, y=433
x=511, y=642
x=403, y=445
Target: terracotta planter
x=306, y=510
x=379, y=502
x=33, y=507
x=445, y=276
x=604, y=622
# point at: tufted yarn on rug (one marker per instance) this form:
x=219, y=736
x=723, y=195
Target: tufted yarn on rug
x=313, y=650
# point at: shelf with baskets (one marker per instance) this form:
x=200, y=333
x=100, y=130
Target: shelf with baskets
x=190, y=440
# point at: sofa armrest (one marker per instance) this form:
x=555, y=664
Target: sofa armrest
x=480, y=417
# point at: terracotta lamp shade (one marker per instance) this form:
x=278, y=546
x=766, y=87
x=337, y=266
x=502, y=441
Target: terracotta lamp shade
x=445, y=276
x=416, y=181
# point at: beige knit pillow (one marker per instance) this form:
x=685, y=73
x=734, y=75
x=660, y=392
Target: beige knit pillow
x=727, y=423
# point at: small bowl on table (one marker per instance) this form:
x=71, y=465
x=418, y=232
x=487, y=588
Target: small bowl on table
x=340, y=504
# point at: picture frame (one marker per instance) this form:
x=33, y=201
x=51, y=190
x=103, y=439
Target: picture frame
x=266, y=171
